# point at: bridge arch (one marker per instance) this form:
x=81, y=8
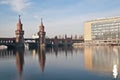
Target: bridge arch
x=9, y=42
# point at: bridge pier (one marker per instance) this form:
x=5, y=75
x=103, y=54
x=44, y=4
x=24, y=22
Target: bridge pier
x=19, y=45
x=56, y=43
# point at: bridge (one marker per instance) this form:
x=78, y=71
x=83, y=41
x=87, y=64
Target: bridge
x=19, y=41
x=10, y=42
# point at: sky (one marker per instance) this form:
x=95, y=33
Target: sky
x=60, y=17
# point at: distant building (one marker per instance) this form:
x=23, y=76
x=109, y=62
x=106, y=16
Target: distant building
x=102, y=30
x=35, y=36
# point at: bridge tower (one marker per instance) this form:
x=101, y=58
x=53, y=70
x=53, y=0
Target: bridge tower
x=41, y=34
x=19, y=34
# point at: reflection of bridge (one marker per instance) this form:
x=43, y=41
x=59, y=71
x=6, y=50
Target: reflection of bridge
x=6, y=53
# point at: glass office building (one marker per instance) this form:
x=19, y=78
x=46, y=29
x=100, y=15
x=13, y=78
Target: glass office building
x=105, y=30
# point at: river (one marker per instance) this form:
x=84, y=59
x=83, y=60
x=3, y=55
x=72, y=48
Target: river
x=65, y=63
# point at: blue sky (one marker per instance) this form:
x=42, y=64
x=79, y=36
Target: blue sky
x=59, y=16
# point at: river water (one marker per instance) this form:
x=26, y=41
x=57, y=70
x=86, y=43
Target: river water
x=66, y=63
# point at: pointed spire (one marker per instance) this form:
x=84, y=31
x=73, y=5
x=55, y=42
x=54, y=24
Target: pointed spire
x=41, y=26
x=19, y=24
x=19, y=16
x=19, y=21
x=42, y=22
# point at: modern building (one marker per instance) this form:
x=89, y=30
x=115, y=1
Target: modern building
x=100, y=31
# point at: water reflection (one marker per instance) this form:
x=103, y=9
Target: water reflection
x=102, y=59
x=65, y=49
x=55, y=50
x=6, y=53
x=63, y=63
x=42, y=58
x=115, y=71
x=19, y=60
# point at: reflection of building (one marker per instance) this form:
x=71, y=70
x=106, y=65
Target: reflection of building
x=88, y=58
x=102, y=30
x=20, y=60
x=42, y=57
x=102, y=59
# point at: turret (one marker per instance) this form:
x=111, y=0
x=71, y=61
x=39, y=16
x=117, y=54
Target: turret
x=41, y=34
x=19, y=34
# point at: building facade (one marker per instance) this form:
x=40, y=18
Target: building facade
x=102, y=31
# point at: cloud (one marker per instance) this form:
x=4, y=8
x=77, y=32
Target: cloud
x=17, y=5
